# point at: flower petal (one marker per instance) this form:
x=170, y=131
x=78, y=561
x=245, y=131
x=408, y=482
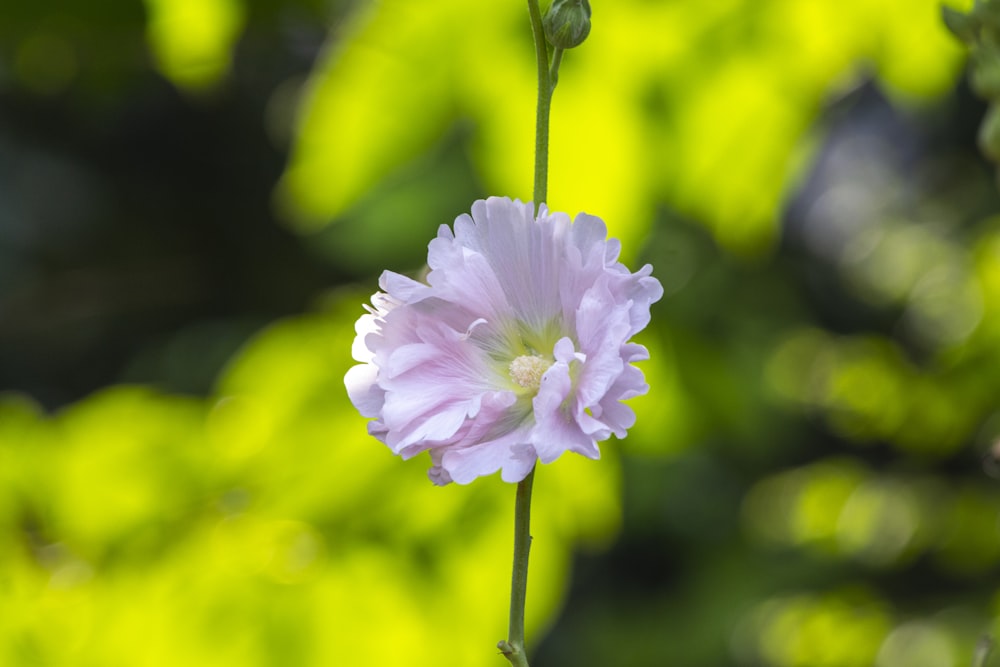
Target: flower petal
x=363, y=389
x=504, y=283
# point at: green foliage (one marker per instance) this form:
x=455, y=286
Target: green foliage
x=703, y=107
x=802, y=486
x=979, y=29
x=262, y=526
x=193, y=39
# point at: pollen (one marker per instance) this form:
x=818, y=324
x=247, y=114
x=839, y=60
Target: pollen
x=527, y=371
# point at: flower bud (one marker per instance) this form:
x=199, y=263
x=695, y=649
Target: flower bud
x=567, y=23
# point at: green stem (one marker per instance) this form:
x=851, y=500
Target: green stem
x=513, y=648
x=548, y=73
x=557, y=53
x=547, y=76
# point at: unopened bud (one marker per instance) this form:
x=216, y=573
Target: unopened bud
x=567, y=23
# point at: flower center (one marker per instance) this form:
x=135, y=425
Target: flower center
x=527, y=371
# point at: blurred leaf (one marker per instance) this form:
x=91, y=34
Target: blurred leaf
x=663, y=102
x=264, y=525
x=193, y=39
x=380, y=95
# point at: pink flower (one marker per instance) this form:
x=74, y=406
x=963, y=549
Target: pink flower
x=516, y=350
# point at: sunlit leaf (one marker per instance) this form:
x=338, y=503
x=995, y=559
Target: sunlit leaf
x=661, y=104
x=193, y=39
x=381, y=94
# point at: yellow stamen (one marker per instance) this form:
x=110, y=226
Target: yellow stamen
x=527, y=370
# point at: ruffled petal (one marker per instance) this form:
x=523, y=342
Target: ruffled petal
x=556, y=427
x=508, y=453
x=363, y=389
x=503, y=283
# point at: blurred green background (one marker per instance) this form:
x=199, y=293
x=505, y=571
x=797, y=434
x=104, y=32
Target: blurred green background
x=197, y=196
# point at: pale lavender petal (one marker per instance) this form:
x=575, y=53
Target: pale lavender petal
x=634, y=352
x=556, y=430
x=407, y=357
x=507, y=453
x=363, y=390
x=438, y=426
x=360, y=351
x=404, y=289
x=618, y=416
x=503, y=284
x=439, y=475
